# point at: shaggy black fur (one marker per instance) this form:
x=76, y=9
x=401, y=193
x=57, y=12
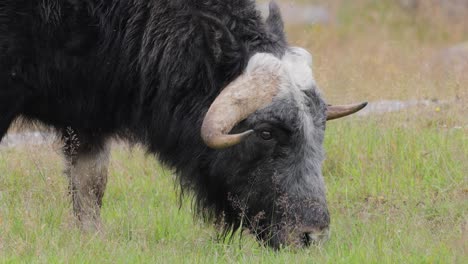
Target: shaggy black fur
x=146, y=70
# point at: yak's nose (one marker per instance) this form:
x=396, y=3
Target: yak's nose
x=314, y=236
x=315, y=226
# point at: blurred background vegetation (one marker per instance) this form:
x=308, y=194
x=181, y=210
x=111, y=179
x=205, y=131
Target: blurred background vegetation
x=392, y=49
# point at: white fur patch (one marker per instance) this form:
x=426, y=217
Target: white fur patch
x=294, y=68
x=298, y=63
x=264, y=62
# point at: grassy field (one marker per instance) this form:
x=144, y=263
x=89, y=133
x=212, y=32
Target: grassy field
x=397, y=183
x=396, y=196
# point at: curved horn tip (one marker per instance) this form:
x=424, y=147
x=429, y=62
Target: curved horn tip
x=338, y=111
x=225, y=141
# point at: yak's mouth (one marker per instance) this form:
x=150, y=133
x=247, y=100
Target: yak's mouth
x=311, y=236
x=314, y=237
x=299, y=238
x=297, y=228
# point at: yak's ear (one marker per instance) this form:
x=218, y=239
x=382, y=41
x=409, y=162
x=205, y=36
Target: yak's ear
x=275, y=22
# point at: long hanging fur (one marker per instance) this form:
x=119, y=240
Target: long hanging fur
x=146, y=70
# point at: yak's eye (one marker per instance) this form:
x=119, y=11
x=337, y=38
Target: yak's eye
x=266, y=135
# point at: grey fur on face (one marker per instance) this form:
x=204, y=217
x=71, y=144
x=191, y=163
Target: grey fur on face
x=289, y=165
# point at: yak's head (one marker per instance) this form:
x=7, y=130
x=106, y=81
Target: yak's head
x=268, y=128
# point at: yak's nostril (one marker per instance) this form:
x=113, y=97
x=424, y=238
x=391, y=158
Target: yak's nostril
x=305, y=239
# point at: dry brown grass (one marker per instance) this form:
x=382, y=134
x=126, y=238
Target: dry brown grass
x=383, y=52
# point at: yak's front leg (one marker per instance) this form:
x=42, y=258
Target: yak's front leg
x=87, y=167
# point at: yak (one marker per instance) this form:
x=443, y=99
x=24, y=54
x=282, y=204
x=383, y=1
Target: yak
x=209, y=87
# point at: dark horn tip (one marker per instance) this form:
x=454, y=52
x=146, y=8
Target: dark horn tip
x=360, y=106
